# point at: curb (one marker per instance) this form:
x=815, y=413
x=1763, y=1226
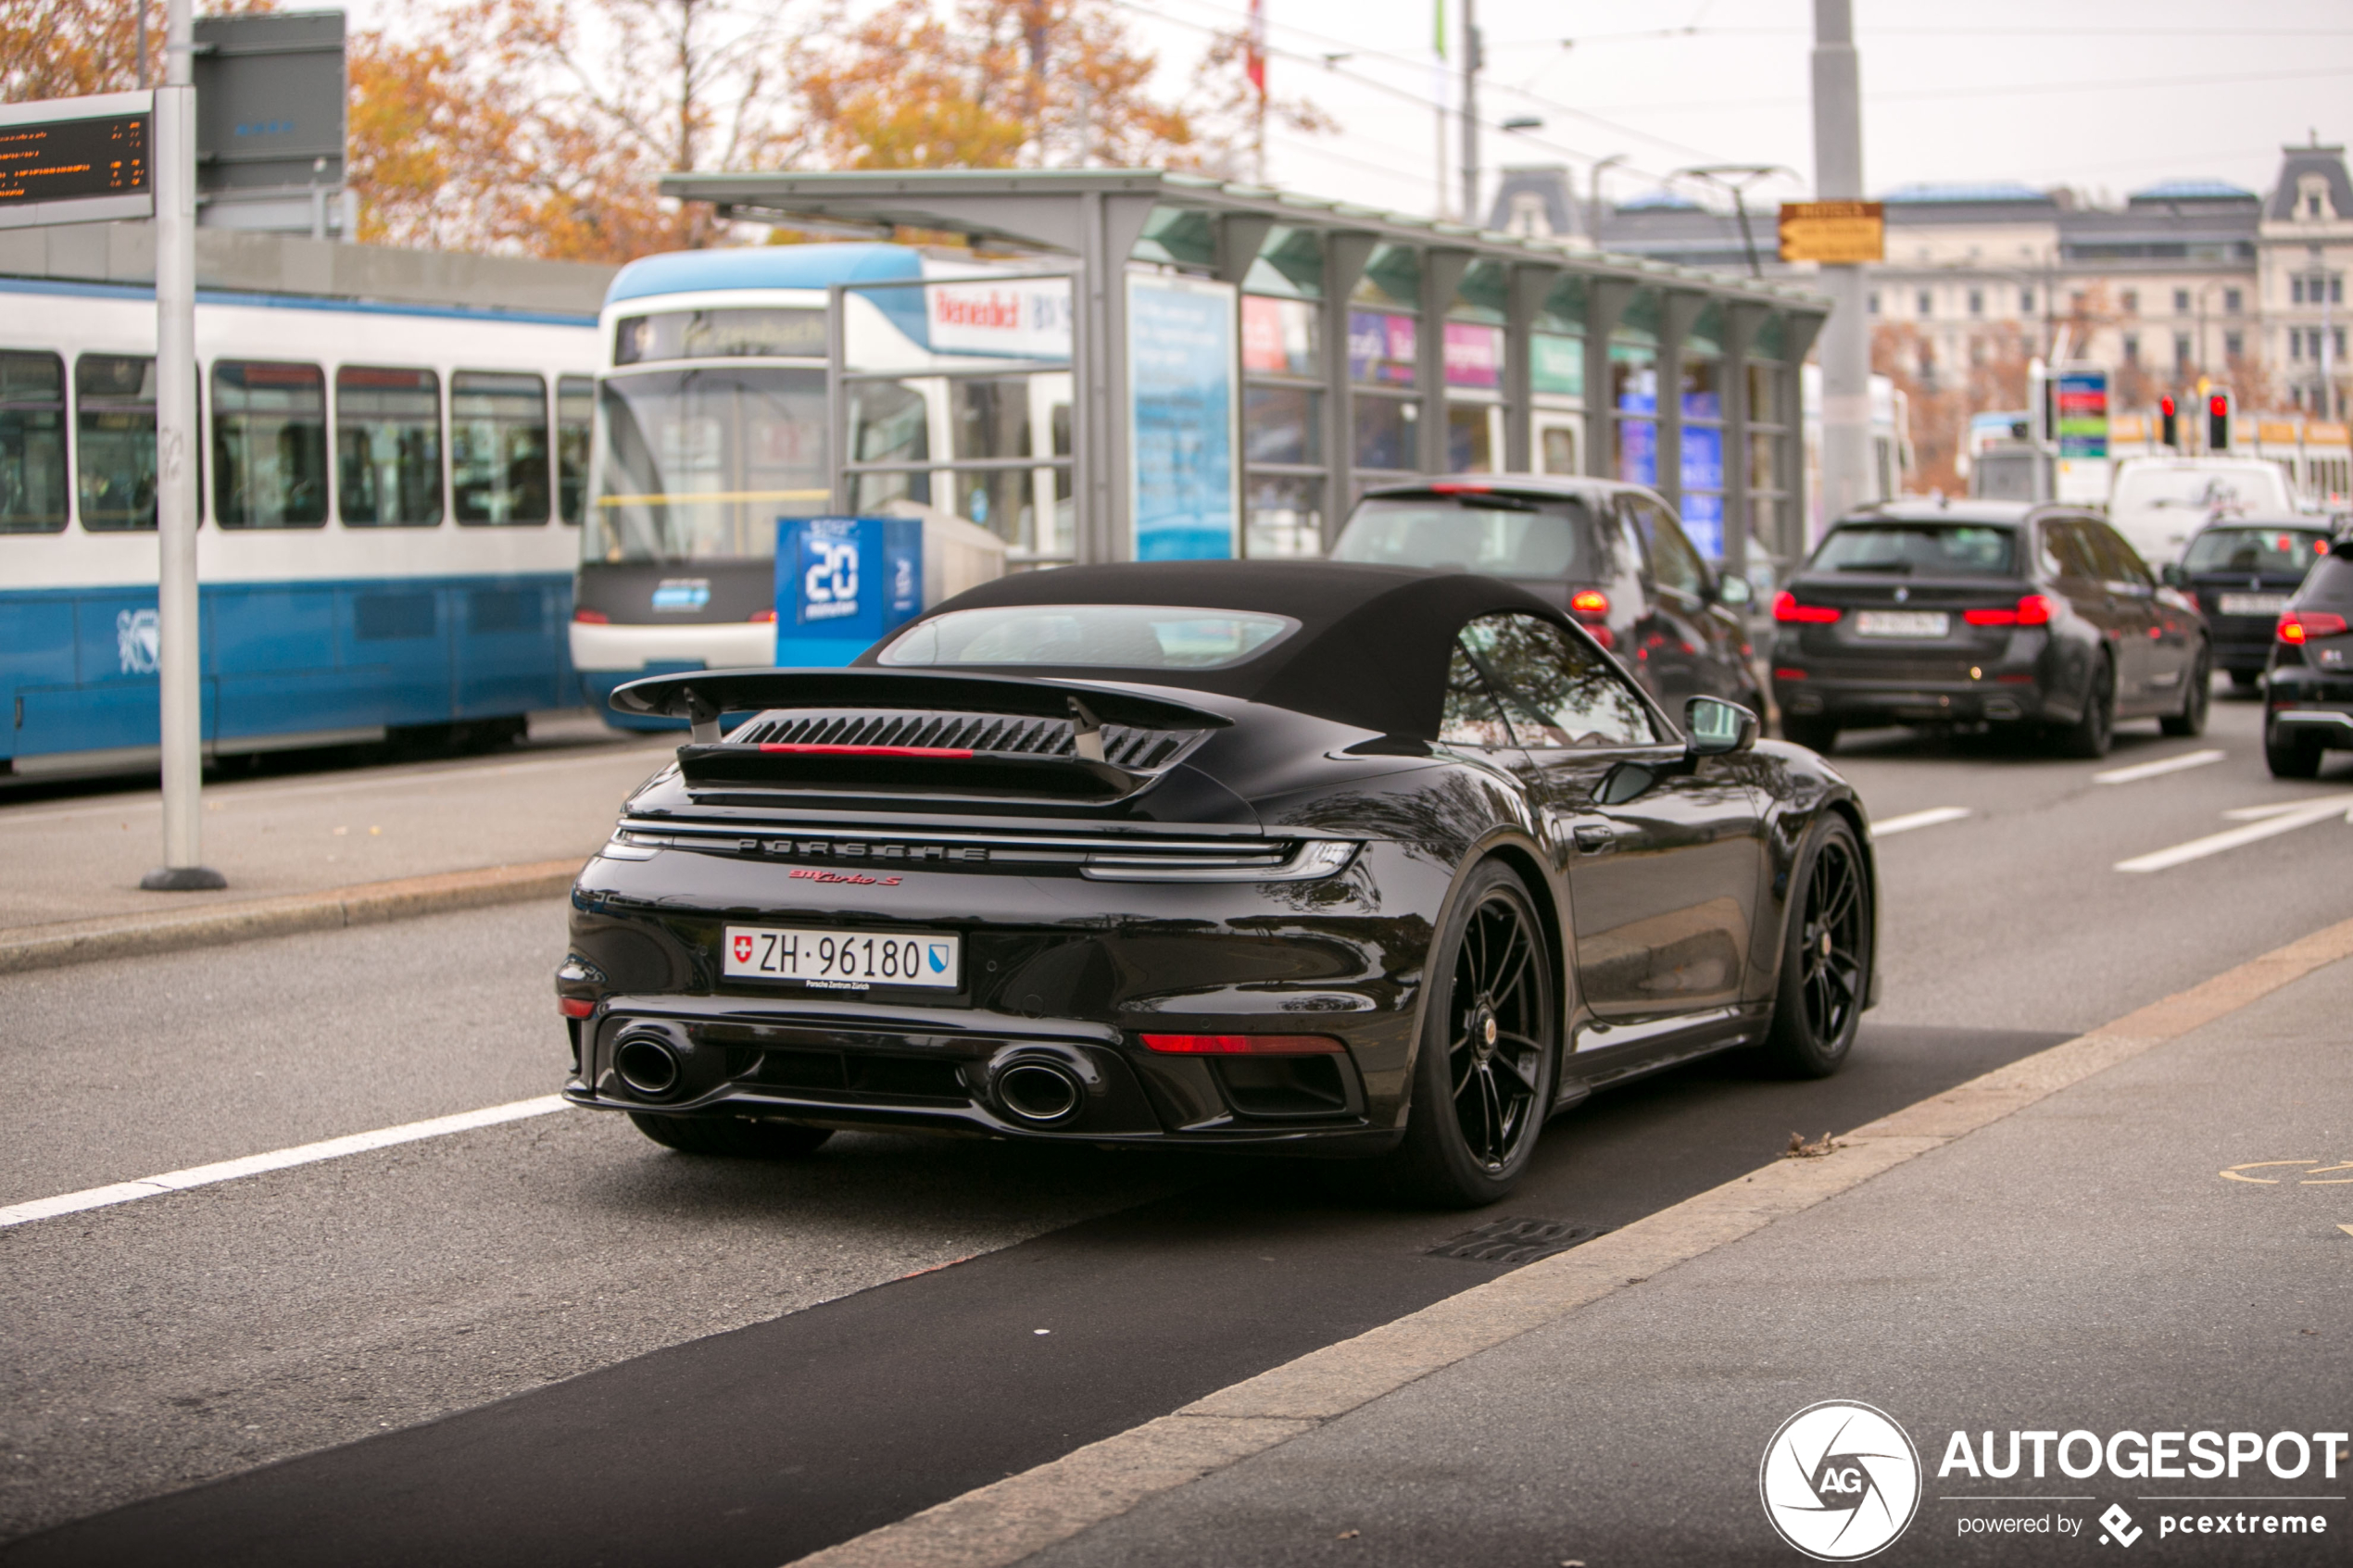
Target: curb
x=1012, y=1519
x=371, y=903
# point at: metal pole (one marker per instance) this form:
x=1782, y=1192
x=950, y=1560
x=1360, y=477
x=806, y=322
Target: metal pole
x=1845, y=344
x=1471, y=64
x=179, y=674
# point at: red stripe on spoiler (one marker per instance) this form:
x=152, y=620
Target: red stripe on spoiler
x=871, y=750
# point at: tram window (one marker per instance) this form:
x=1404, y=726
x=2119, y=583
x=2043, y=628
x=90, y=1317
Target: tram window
x=33, y=444
x=388, y=447
x=268, y=445
x=575, y=412
x=115, y=421
x=499, y=447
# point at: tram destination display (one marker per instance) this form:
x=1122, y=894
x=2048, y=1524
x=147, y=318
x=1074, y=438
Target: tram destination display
x=1835, y=233
x=61, y=162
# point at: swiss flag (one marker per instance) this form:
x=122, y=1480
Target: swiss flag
x=743, y=949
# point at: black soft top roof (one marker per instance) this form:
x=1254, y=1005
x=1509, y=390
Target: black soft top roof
x=1371, y=647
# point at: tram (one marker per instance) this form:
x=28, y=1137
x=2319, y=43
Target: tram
x=390, y=505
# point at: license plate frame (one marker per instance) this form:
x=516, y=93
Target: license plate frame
x=2252, y=604
x=838, y=958
x=1906, y=625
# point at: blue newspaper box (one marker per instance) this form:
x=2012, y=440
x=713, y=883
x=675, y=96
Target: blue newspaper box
x=843, y=584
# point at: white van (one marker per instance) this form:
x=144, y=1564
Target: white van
x=2157, y=503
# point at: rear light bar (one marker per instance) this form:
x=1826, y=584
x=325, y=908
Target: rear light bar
x=1456, y=487
x=2299, y=626
x=2032, y=609
x=1786, y=608
x=764, y=615
x=956, y=753
x=587, y=617
x=1244, y=1044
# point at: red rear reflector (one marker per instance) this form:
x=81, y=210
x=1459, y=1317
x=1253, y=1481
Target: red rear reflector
x=1242, y=1045
x=592, y=617
x=950, y=751
x=1786, y=608
x=2034, y=609
x=763, y=615
x=2297, y=626
x=575, y=1006
x=1589, y=601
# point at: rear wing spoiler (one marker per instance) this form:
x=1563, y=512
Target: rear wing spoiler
x=699, y=696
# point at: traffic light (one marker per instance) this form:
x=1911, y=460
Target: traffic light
x=2171, y=425
x=2218, y=420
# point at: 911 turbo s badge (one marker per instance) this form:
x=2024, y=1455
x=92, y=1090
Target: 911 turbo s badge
x=807, y=873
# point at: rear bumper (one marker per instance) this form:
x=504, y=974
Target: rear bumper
x=1859, y=702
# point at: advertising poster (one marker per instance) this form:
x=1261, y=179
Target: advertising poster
x=1184, y=478
x=2083, y=412
x=842, y=583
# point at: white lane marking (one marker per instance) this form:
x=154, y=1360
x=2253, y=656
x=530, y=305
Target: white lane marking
x=1927, y=819
x=2303, y=816
x=2280, y=808
x=2162, y=765
x=277, y=1160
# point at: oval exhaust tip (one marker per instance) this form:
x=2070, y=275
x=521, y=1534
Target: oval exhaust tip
x=647, y=1066
x=1038, y=1093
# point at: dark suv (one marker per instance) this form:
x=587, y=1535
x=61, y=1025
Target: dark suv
x=1612, y=555
x=1987, y=613
x=2243, y=572
x=2308, y=706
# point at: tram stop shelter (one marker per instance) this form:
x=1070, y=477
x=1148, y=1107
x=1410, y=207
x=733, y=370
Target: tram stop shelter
x=1234, y=365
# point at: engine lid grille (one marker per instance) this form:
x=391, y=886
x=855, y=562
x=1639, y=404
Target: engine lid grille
x=921, y=732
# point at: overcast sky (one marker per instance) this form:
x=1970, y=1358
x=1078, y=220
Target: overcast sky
x=2106, y=96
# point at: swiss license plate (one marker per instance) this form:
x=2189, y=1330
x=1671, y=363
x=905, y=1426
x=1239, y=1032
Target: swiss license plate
x=1903, y=624
x=2253, y=604
x=843, y=960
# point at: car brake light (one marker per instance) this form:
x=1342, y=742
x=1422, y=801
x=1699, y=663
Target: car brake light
x=2032, y=609
x=1589, y=601
x=1788, y=674
x=575, y=1006
x=1459, y=487
x=587, y=617
x=1600, y=633
x=2299, y=626
x=1786, y=608
x=763, y=614
x=957, y=752
x=1242, y=1045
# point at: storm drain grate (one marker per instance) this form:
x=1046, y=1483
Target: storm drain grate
x=1518, y=1241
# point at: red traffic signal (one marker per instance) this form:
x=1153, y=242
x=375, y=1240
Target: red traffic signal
x=2172, y=434
x=2218, y=422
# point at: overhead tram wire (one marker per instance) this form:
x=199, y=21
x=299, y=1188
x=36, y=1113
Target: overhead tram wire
x=1909, y=95
x=1425, y=101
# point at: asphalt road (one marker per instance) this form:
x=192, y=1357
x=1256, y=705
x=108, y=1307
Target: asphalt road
x=552, y=1341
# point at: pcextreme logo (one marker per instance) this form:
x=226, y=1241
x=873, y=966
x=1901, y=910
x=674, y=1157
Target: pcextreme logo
x=1839, y=1480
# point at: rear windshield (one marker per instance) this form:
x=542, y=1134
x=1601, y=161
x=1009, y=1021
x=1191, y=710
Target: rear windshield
x=2331, y=583
x=2255, y=550
x=1111, y=636
x=1924, y=550
x=1474, y=534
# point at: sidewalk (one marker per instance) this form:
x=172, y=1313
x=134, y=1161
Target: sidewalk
x=76, y=863
x=2139, y=1241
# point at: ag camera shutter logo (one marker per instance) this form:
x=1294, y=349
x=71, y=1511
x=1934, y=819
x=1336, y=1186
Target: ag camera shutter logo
x=1839, y=1480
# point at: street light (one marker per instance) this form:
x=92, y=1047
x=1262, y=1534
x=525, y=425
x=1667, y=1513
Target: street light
x=1594, y=211
x=1737, y=178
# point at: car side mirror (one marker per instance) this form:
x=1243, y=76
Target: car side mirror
x=1732, y=589
x=2172, y=576
x=1716, y=728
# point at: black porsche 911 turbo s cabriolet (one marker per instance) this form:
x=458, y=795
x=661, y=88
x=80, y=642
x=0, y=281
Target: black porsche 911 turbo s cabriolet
x=1293, y=857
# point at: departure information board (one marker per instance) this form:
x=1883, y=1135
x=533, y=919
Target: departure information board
x=68, y=159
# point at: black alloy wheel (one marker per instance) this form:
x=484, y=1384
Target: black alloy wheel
x=1826, y=959
x=2191, y=721
x=737, y=1137
x=1483, y=1076
x=2289, y=755
x=2091, y=734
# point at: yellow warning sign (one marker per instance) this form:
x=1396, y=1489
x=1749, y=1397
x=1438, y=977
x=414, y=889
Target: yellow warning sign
x=1839, y=234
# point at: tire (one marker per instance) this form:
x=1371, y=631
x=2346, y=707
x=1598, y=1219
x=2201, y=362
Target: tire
x=2290, y=757
x=1483, y=1075
x=1826, y=955
x=2191, y=721
x=734, y=1138
x=2090, y=735
x=1814, y=735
